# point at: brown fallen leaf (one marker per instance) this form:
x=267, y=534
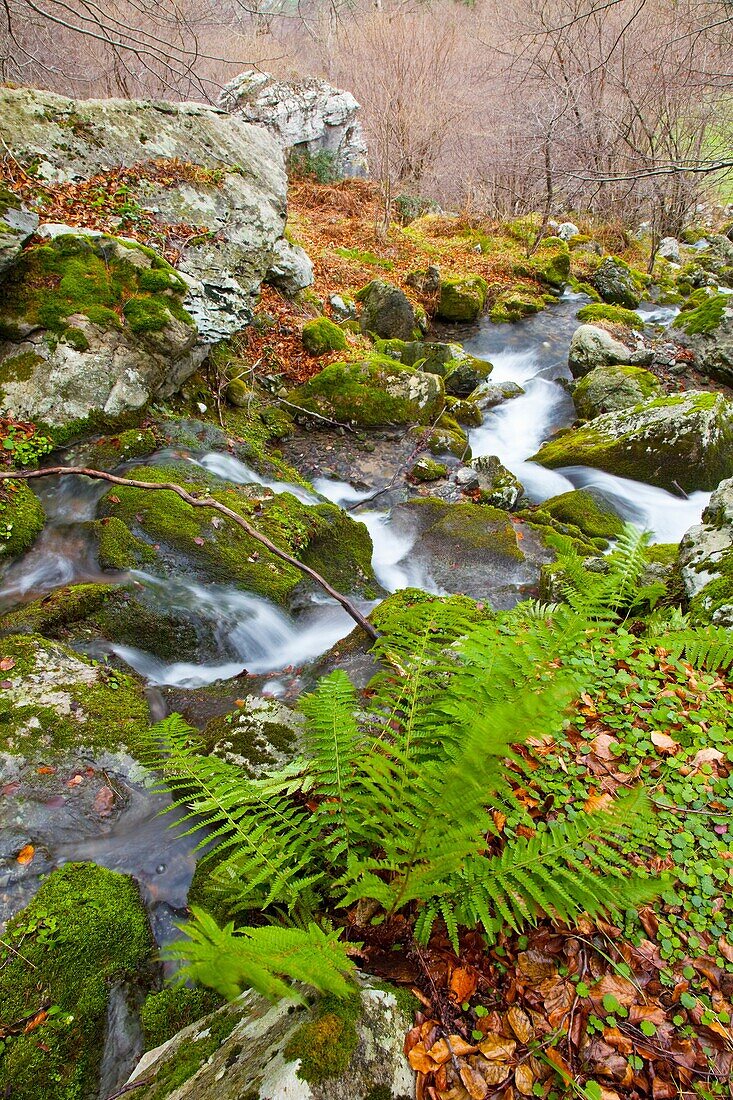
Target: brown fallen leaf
x=419, y=1059
x=497, y=1047
x=520, y=1024
x=524, y=1079
x=597, y=801
x=104, y=801
x=664, y=743
x=25, y=855
x=459, y=1046
x=493, y=1073
x=199, y=541
x=7, y=663
x=463, y=983
x=474, y=1084
x=35, y=1021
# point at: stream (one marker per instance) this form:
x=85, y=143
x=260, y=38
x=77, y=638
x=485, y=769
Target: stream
x=254, y=635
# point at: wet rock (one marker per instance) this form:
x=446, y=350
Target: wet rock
x=91, y=325
x=684, y=441
x=387, y=312
x=466, y=478
x=490, y=394
x=241, y=211
x=467, y=413
x=588, y=510
x=371, y=393
x=617, y=283
x=706, y=561
x=52, y=699
x=260, y=736
x=461, y=299
x=473, y=549
x=291, y=269
x=427, y=469
x=306, y=116
x=466, y=375
x=592, y=346
x=610, y=388
x=498, y=485
x=328, y=1051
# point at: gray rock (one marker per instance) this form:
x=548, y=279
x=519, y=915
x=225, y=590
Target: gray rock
x=307, y=115
x=610, y=388
x=17, y=226
x=466, y=478
x=713, y=349
x=567, y=231
x=615, y=284
x=252, y=1060
x=240, y=199
x=499, y=485
x=669, y=249
x=706, y=561
x=592, y=346
x=490, y=394
x=261, y=735
x=291, y=269
x=342, y=310
x=386, y=311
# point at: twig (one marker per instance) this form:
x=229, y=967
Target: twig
x=318, y=416
x=201, y=502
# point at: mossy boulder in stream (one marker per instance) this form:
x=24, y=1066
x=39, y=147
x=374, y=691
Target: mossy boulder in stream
x=610, y=388
x=52, y=699
x=85, y=931
x=683, y=441
x=707, y=331
x=21, y=518
x=706, y=561
x=209, y=547
x=350, y=1049
x=618, y=284
x=514, y=305
x=387, y=312
x=461, y=299
x=372, y=393
x=588, y=510
x=91, y=326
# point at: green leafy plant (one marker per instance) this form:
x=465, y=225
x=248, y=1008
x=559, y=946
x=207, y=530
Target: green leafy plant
x=25, y=448
x=392, y=807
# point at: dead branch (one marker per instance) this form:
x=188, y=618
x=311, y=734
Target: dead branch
x=201, y=502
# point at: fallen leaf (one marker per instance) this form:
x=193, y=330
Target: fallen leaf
x=199, y=541
x=75, y=781
x=25, y=855
x=7, y=663
x=520, y=1023
x=459, y=1046
x=664, y=743
x=104, y=801
x=113, y=499
x=596, y=802
x=524, y=1079
x=497, y=1048
x=473, y=1082
x=35, y=1021
x=493, y=1073
x=462, y=984
x=419, y=1059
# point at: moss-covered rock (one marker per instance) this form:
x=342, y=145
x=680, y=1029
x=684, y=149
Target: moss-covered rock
x=118, y=548
x=21, y=518
x=461, y=299
x=467, y=412
x=706, y=561
x=85, y=930
x=427, y=469
x=53, y=699
x=445, y=438
x=261, y=734
x=615, y=315
x=704, y=315
x=618, y=284
x=549, y=264
x=610, y=388
x=111, y=451
x=513, y=305
x=588, y=510
x=490, y=394
x=322, y=535
x=593, y=346
x=498, y=485
x=685, y=440
x=465, y=375
x=707, y=330
x=371, y=393
x=387, y=312
x=165, y=1013
x=321, y=336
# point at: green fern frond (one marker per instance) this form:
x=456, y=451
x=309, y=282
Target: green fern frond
x=265, y=959
x=704, y=647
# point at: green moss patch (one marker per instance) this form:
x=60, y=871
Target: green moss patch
x=616, y=315
x=85, y=929
x=587, y=511
x=704, y=318
x=165, y=1013
x=461, y=299
x=550, y=264
x=513, y=305
x=325, y=1045
x=321, y=335
x=21, y=518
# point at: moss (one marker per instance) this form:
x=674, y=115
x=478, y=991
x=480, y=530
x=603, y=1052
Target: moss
x=587, y=511
x=225, y=553
x=95, y=277
x=118, y=548
x=371, y=393
x=610, y=388
x=321, y=335
x=461, y=299
x=479, y=526
x=706, y=317
x=427, y=469
x=325, y=1045
x=21, y=518
x=165, y=1013
x=85, y=929
x=467, y=413
x=555, y=532
x=54, y=699
x=663, y=553
x=444, y=441
x=19, y=368
x=190, y=1056
x=617, y=315
x=111, y=451
x=513, y=305
x=550, y=264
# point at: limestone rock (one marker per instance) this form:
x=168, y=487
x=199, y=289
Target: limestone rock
x=255, y=1048
x=490, y=394
x=307, y=115
x=685, y=441
x=706, y=561
x=498, y=485
x=236, y=192
x=291, y=269
x=592, y=346
x=567, y=231
x=17, y=225
x=610, y=388
x=707, y=331
x=387, y=311
x=616, y=284
x=669, y=249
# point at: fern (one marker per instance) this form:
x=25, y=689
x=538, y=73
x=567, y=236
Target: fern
x=228, y=961
x=709, y=647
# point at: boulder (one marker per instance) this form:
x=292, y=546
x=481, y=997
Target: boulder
x=669, y=249
x=222, y=177
x=513, y=305
x=291, y=269
x=567, y=231
x=305, y=116
x=90, y=324
x=490, y=394
x=461, y=300
x=549, y=263
x=706, y=561
x=387, y=312
x=617, y=284
x=588, y=510
x=263, y=734
x=329, y=1050
x=21, y=519
x=17, y=225
x=683, y=441
x=610, y=388
x=473, y=549
x=498, y=485
x=592, y=346
x=707, y=330
x=468, y=372
x=321, y=336
x=372, y=393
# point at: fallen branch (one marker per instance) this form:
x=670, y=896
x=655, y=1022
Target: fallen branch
x=200, y=502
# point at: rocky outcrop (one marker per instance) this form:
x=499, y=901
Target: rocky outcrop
x=17, y=225
x=706, y=561
x=610, y=388
x=684, y=441
x=291, y=269
x=332, y=1050
x=220, y=176
x=305, y=116
x=617, y=284
x=593, y=346
x=707, y=330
